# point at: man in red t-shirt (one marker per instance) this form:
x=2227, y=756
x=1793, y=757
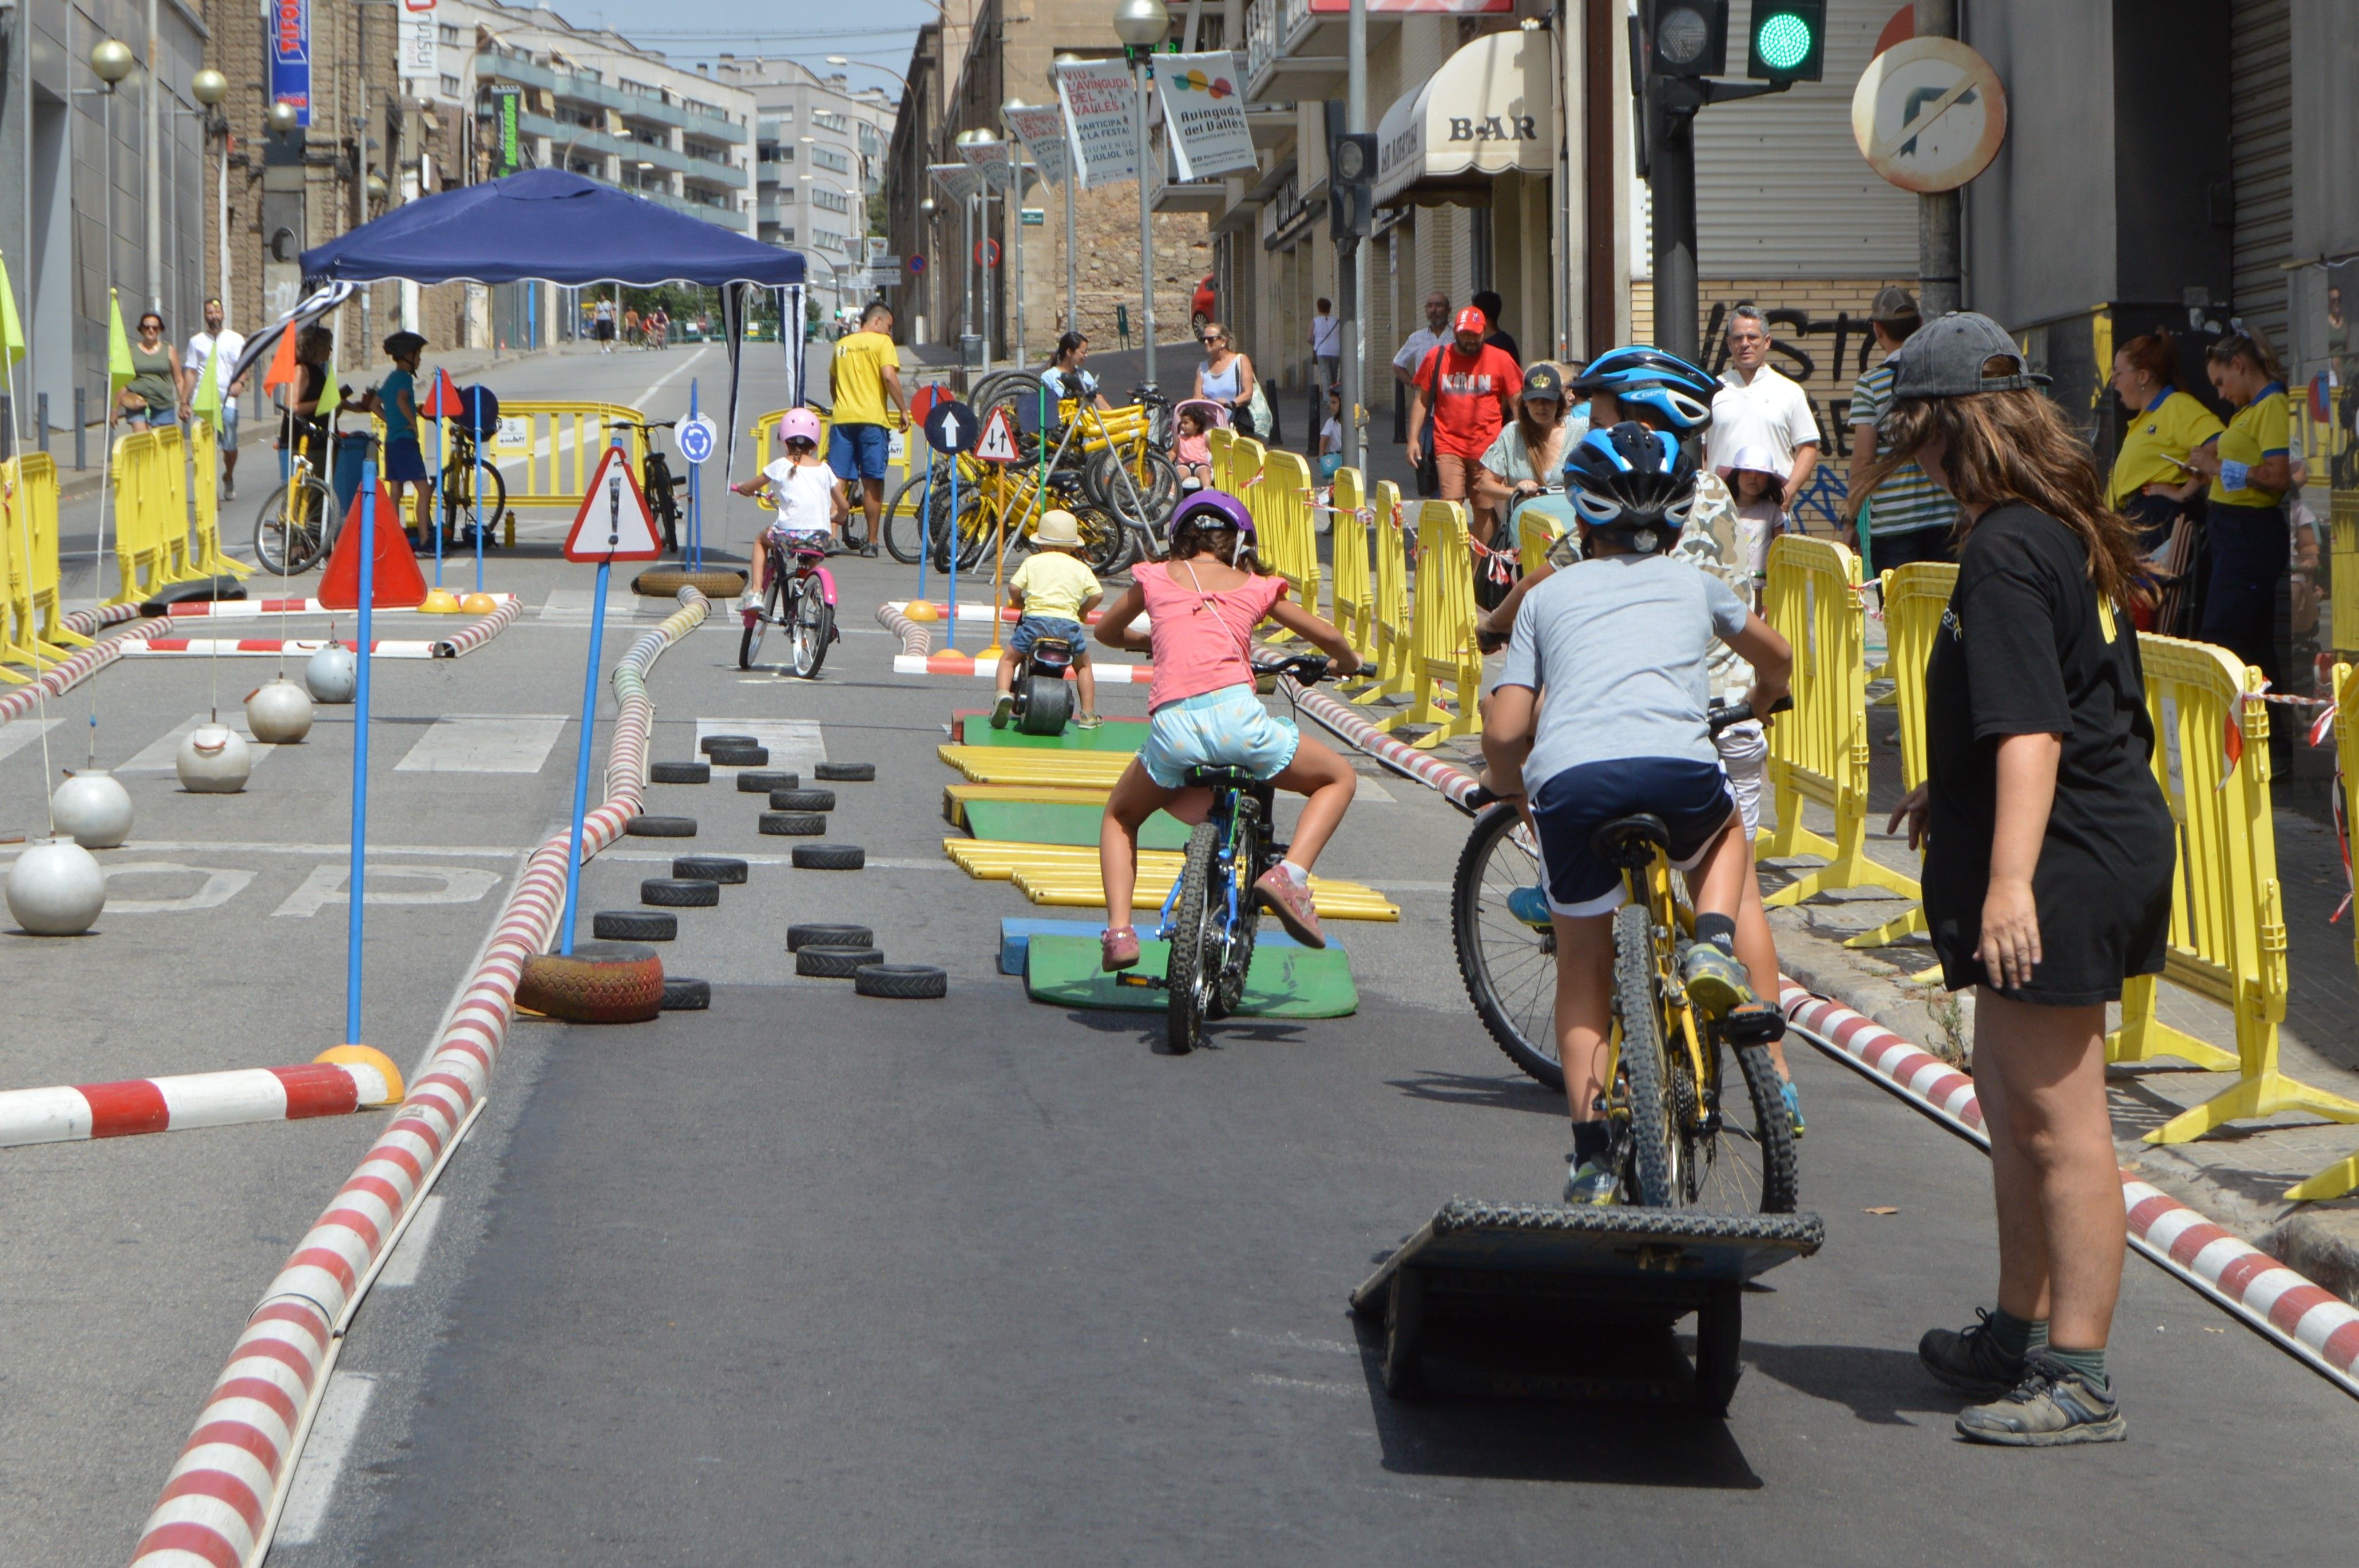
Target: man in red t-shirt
x=1478, y=384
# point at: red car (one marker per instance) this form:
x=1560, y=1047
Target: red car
x=1200, y=309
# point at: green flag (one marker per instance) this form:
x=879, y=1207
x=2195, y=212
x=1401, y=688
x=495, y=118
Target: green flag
x=119, y=372
x=12, y=327
x=329, y=390
x=207, y=405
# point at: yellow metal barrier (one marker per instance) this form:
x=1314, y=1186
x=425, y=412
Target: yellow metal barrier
x=171, y=519
x=1284, y=536
x=210, y=560
x=1819, y=752
x=1914, y=597
x=142, y=555
x=557, y=447
x=1535, y=532
x=2343, y=566
x=1356, y=592
x=2227, y=915
x=36, y=629
x=1442, y=628
x=1395, y=631
x=1221, y=442
x=2341, y=1176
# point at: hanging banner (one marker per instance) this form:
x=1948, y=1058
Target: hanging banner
x=957, y=180
x=989, y=160
x=290, y=56
x=507, y=114
x=1041, y=129
x=1099, y=99
x=1205, y=114
x=420, y=51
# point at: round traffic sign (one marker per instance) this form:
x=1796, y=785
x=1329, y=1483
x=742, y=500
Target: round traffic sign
x=917, y=264
x=986, y=253
x=952, y=427
x=695, y=438
x=1929, y=115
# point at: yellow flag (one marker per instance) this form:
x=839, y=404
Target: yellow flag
x=119, y=372
x=207, y=404
x=12, y=327
x=328, y=389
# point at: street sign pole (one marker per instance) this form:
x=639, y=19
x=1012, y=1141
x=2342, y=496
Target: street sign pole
x=590, y=707
x=356, y=881
x=474, y=417
x=1940, y=262
x=695, y=498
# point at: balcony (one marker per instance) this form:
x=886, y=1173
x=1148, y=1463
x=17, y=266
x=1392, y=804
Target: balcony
x=491, y=65
x=1292, y=53
x=1165, y=194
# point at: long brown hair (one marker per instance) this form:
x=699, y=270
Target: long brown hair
x=2014, y=446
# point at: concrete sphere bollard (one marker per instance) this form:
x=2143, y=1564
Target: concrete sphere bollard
x=214, y=760
x=280, y=713
x=55, y=889
x=93, y=808
x=333, y=675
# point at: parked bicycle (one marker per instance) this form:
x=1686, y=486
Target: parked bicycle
x=459, y=477
x=656, y=482
x=296, y=524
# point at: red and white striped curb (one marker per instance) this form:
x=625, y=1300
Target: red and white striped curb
x=221, y=1498
x=916, y=641
x=1453, y=782
x=69, y=1113
x=56, y=679
x=475, y=633
x=951, y=663
x=230, y=609
x=1008, y=613
x=2312, y=1322
x=300, y=647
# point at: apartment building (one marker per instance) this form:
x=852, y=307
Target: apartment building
x=819, y=156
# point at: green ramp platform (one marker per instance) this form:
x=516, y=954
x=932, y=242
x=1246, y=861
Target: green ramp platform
x=1016, y=934
x=1057, y=822
x=974, y=728
x=1285, y=982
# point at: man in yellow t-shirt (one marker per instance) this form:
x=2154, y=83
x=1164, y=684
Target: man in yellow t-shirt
x=865, y=382
x=1053, y=588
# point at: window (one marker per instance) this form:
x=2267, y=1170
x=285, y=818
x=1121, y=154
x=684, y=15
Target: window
x=787, y=235
x=833, y=201
x=640, y=88
x=450, y=35
x=832, y=158
x=828, y=120
x=786, y=196
x=451, y=87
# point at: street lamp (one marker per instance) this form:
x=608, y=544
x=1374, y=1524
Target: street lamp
x=111, y=61
x=978, y=217
x=1072, y=263
x=209, y=87
x=283, y=117
x=1007, y=112
x=1141, y=25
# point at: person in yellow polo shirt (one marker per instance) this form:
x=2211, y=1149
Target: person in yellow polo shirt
x=2251, y=467
x=2151, y=483
x=865, y=382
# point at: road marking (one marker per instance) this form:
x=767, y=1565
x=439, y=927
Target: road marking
x=1272, y=1381
x=24, y=732
x=162, y=755
x=328, y=884
x=572, y=607
x=483, y=743
x=1293, y=1341
x=400, y=1270
x=875, y=863
x=328, y=1445
x=219, y=887
x=794, y=744
x=230, y=847
x=671, y=376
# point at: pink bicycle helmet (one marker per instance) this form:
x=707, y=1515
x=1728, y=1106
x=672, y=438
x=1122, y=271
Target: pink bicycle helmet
x=800, y=424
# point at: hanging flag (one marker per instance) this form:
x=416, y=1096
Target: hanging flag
x=1205, y=114
x=207, y=404
x=443, y=401
x=12, y=327
x=120, y=371
x=328, y=390
x=1042, y=129
x=1099, y=99
x=282, y=372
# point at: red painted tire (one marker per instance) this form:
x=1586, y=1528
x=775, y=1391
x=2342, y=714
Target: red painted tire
x=602, y=982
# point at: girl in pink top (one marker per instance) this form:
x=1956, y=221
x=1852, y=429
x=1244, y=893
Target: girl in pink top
x=1203, y=603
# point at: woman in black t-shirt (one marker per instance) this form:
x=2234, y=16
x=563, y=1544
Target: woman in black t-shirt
x=2047, y=866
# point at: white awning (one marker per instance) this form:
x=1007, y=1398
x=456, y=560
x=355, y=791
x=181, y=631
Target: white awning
x=1489, y=110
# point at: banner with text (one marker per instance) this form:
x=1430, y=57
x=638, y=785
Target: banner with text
x=420, y=45
x=290, y=56
x=1099, y=100
x=1041, y=129
x=1205, y=114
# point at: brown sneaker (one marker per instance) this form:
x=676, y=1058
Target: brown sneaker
x=1121, y=948
x=1292, y=905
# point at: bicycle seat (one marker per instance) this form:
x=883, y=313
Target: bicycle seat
x=1631, y=841
x=1219, y=778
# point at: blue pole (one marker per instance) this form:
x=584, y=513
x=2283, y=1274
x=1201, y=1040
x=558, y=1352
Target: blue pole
x=950, y=640
x=357, y=881
x=590, y=714
x=439, y=437
x=482, y=436
x=695, y=498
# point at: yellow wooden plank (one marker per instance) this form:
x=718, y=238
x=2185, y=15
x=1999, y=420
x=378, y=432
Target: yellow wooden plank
x=1068, y=874
x=1015, y=765
x=955, y=797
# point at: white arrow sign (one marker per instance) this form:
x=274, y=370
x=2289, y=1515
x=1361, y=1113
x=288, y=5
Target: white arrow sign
x=613, y=523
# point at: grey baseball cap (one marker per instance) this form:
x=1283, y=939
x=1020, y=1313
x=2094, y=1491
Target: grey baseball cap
x=1944, y=358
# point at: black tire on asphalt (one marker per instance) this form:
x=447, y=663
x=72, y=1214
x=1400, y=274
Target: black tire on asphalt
x=822, y=935
x=802, y=800
x=1187, y=987
x=710, y=743
x=835, y=963
x=687, y=996
x=602, y=982
x=741, y=756
x=762, y=781
x=726, y=870
x=633, y=925
x=680, y=773
x=794, y=824
x=844, y=773
x=679, y=893
x=660, y=826
x=830, y=857
x=913, y=982
x=1652, y=1179
x=665, y=583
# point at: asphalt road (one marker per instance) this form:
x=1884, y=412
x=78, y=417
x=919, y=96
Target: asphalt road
x=813, y=1278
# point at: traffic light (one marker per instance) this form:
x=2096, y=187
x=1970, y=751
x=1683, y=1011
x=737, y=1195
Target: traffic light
x=1685, y=38
x=1788, y=41
x=1352, y=185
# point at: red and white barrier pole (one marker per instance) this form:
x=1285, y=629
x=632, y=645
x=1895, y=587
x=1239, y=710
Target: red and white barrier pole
x=71, y=1112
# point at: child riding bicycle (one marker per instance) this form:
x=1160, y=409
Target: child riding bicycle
x=1204, y=601
x=811, y=502
x=1626, y=634
x=1054, y=589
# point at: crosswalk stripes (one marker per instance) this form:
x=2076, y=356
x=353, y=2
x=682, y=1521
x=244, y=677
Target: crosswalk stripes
x=571, y=606
x=161, y=755
x=485, y=743
x=793, y=743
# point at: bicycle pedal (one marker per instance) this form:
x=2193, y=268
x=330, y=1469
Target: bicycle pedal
x=1760, y=1024
x=1143, y=982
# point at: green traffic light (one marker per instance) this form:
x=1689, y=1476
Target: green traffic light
x=1782, y=40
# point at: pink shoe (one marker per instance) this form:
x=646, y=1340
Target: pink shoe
x=1121, y=946
x=1291, y=903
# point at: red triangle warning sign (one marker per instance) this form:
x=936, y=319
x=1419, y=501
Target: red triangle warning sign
x=613, y=523
x=998, y=443
x=394, y=583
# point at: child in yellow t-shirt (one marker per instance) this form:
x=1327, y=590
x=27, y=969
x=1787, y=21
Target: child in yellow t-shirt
x=1054, y=589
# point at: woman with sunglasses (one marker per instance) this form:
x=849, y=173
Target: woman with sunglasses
x=1226, y=377
x=150, y=397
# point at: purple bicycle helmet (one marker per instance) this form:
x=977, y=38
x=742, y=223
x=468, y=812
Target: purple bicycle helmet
x=1212, y=509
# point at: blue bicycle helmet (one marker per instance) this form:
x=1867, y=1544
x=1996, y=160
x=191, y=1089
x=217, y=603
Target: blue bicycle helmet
x=1630, y=480
x=1211, y=509
x=1638, y=376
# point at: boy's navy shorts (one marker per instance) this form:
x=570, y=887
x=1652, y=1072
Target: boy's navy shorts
x=1692, y=798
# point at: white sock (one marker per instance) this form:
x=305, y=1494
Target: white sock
x=1301, y=878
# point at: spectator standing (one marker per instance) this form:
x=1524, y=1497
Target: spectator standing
x=602, y=325
x=1326, y=346
x=152, y=395
x=1909, y=518
x=2048, y=865
x=2245, y=534
x=1758, y=407
x=1414, y=349
x=1528, y=454
x=1493, y=307
x=196, y=363
x=1470, y=389
x=1065, y=377
x=864, y=381
x=2152, y=484
x=1226, y=377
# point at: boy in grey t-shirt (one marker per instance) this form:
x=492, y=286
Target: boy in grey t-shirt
x=1620, y=645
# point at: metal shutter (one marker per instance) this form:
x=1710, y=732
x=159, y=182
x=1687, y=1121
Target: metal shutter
x=2260, y=158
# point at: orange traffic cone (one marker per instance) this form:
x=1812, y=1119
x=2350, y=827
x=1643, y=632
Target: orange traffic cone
x=398, y=584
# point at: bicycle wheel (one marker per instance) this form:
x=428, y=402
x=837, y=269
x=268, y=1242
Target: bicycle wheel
x=812, y=627
x=1648, y=1178
x=905, y=531
x=289, y=530
x=458, y=495
x=1187, y=977
x=1740, y=1151
x=1119, y=487
x=749, y=645
x=1508, y=967
x=1237, y=956
x=1105, y=543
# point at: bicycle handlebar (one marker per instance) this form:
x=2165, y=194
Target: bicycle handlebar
x=1720, y=716
x=642, y=424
